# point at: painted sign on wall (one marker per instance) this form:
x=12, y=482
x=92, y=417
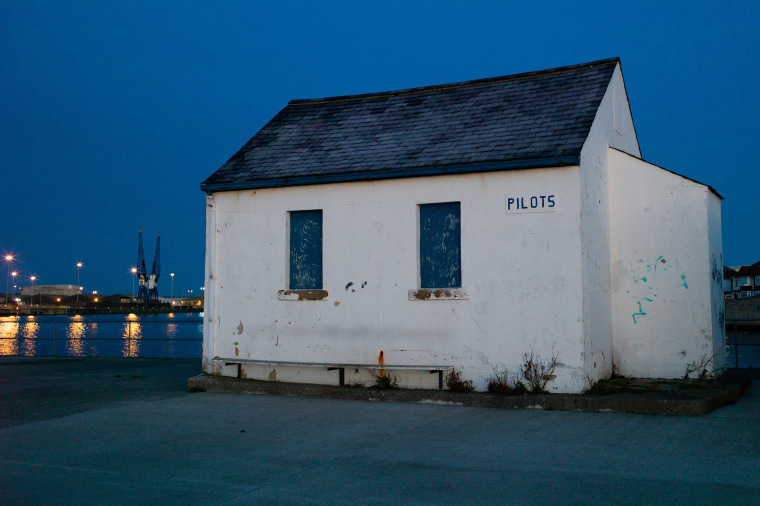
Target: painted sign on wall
x=538, y=203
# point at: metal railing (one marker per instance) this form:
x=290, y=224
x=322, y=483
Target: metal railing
x=742, y=342
x=149, y=339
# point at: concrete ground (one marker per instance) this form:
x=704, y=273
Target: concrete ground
x=124, y=431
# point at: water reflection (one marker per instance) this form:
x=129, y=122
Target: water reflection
x=75, y=338
x=29, y=343
x=170, y=335
x=171, y=331
x=9, y=337
x=131, y=334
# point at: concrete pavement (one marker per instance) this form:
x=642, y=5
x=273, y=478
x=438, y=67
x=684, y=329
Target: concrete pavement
x=124, y=431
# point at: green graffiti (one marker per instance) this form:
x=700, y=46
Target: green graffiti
x=639, y=313
x=644, y=279
x=685, y=284
x=650, y=300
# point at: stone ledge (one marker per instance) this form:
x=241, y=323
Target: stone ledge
x=439, y=294
x=294, y=295
x=698, y=402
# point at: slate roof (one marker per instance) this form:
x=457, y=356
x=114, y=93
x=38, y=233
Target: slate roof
x=749, y=270
x=535, y=119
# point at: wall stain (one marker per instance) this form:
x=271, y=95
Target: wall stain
x=272, y=375
x=240, y=328
x=349, y=285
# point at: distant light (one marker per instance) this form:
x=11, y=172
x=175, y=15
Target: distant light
x=94, y=292
x=33, y=278
x=172, y=274
x=96, y=299
x=14, y=273
x=134, y=270
x=79, y=264
x=9, y=257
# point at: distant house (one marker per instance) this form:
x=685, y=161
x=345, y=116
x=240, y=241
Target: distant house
x=460, y=226
x=743, y=282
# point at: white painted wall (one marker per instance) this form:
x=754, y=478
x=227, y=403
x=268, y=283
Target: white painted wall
x=662, y=248
x=209, y=299
x=522, y=272
x=718, y=300
x=613, y=126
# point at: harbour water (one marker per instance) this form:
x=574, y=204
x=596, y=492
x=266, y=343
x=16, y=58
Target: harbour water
x=170, y=335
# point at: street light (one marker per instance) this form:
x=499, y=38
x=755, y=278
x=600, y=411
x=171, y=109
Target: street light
x=9, y=259
x=31, y=302
x=171, y=294
x=79, y=268
x=14, y=274
x=133, y=270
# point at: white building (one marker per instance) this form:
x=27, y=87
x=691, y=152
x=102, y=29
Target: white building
x=461, y=226
x=51, y=290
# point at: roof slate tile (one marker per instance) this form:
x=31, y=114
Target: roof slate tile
x=532, y=116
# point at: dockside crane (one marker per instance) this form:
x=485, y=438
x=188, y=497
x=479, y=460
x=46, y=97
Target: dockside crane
x=142, y=276
x=155, y=271
x=148, y=290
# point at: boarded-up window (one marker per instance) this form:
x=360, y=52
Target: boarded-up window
x=440, y=241
x=305, y=250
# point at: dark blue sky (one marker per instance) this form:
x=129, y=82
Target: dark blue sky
x=112, y=113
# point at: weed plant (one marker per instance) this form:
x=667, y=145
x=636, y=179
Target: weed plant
x=385, y=382
x=537, y=372
x=455, y=383
x=505, y=382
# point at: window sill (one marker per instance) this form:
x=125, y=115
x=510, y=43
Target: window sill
x=439, y=294
x=296, y=295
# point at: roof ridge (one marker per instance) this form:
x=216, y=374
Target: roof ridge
x=455, y=85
